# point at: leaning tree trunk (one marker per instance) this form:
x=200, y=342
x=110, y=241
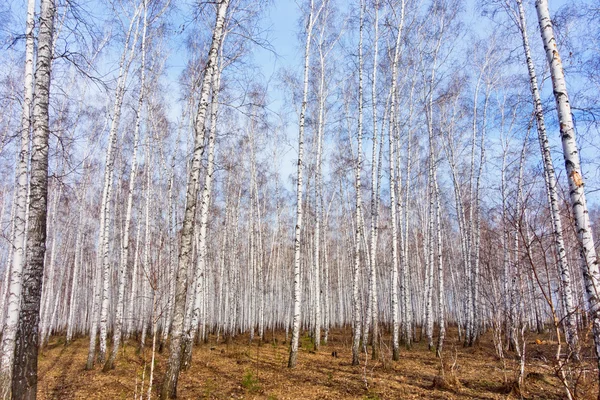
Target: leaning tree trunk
x=591, y=275
x=570, y=321
x=169, y=388
x=24, y=380
x=19, y=225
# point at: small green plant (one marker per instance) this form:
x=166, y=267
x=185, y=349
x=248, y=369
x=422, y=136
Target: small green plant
x=372, y=396
x=210, y=387
x=307, y=343
x=250, y=382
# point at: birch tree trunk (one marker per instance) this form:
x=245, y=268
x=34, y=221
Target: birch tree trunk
x=172, y=246
x=297, y=297
x=591, y=274
x=169, y=387
x=48, y=293
x=374, y=198
x=24, y=380
x=146, y=267
x=570, y=321
x=20, y=206
x=204, y=208
x=441, y=292
x=101, y=298
x=110, y=363
x=356, y=317
x=393, y=190
x=78, y=259
x=318, y=189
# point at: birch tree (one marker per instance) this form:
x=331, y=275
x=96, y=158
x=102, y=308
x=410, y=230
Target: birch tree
x=124, y=257
x=393, y=191
x=297, y=300
x=20, y=204
x=589, y=262
x=101, y=299
x=169, y=387
x=24, y=379
x=570, y=322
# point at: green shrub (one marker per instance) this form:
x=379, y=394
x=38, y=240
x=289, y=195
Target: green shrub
x=250, y=383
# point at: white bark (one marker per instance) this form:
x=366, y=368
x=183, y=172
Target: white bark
x=169, y=388
x=441, y=292
x=373, y=303
x=101, y=298
x=24, y=380
x=356, y=317
x=570, y=321
x=9, y=328
x=204, y=208
x=48, y=293
x=78, y=258
x=123, y=262
x=591, y=274
x=393, y=191
x=313, y=15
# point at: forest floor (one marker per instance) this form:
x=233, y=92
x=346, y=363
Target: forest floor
x=240, y=370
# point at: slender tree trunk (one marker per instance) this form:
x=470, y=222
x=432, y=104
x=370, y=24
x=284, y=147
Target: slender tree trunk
x=393, y=191
x=441, y=292
x=297, y=298
x=10, y=322
x=204, y=208
x=374, y=198
x=125, y=241
x=100, y=308
x=78, y=260
x=48, y=288
x=356, y=317
x=318, y=189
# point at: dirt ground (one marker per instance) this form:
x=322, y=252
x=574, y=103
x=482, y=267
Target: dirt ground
x=240, y=370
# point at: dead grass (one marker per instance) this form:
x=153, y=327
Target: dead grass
x=240, y=370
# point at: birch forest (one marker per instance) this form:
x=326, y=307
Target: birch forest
x=311, y=199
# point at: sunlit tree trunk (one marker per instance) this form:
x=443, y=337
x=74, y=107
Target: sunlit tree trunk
x=393, y=191
x=75, y=290
x=356, y=315
x=313, y=15
x=204, y=209
x=570, y=321
x=169, y=388
x=132, y=174
x=441, y=291
x=591, y=274
x=48, y=296
x=374, y=197
x=10, y=322
x=100, y=308
x=24, y=379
